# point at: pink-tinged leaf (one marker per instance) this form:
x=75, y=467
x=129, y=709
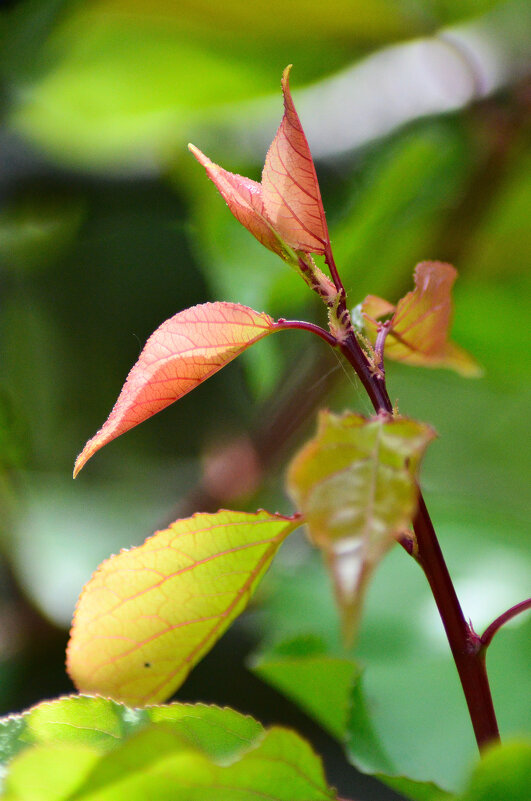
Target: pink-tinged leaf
x=245, y=201
x=374, y=308
x=182, y=353
x=421, y=322
x=149, y=614
x=291, y=194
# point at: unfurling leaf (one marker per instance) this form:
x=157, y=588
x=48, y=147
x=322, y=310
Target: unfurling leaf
x=149, y=614
x=244, y=199
x=421, y=321
x=90, y=749
x=292, y=198
x=182, y=353
x=285, y=210
x=355, y=485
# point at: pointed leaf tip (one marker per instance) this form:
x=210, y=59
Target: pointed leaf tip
x=291, y=193
x=182, y=353
x=244, y=199
x=285, y=211
x=355, y=485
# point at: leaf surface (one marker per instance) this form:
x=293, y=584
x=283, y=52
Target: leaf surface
x=503, y=773
x=182, y=353
x=355, y=484
x=421, y=321
x=179, y=751
x=244, y=198
x=149, y=614
x=285, y=210
x=291, y=194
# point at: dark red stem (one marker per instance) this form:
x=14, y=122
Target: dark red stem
x=496, y=625
x=464, y=643
x=304, y=326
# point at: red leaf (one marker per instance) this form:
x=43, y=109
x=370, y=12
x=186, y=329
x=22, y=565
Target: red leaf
x=421, y=322
x=184, y=351
x=284, y=211
x=245, y=201
x=291, y=194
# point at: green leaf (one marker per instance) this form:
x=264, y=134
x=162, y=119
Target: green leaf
x=330, y=689
x=113, y=88
x=179, y=752
x=503, y=773
x=319, y=683
x=148, y=615
x=418, y=791
x=397, y=207
x=410, y=687
x=101, y=724
x=355, y=484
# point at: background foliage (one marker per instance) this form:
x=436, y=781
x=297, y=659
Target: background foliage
x=108, y=227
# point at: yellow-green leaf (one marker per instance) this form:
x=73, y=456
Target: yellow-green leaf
x=149, y=614
x=355, y=484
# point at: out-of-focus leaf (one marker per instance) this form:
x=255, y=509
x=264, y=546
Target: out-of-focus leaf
x=355, y=484
x=50, y=515
x=117, y=85
x=501, y=243
x=417, y=791
x=503, y=773
x=182, y=353
x=321, y=684
x=35, y=231
x=178, y=752
x=409, y=678
x=150, y=614
x=291, y=193
x=420, y=325
x=397, y=207
x=330, y=689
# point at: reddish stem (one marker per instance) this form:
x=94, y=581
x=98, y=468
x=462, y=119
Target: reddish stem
x=496, y=625
x=304, y=326
x=461, y=638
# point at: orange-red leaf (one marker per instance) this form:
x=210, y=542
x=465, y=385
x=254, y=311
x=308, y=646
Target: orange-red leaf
x=184, y=351
x=291, y=194
x=245, y=201
x=421, y=322
x=285, y=211
x=149, y=614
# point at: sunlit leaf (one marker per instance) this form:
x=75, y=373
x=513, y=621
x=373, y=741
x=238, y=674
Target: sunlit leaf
x=421, y=322
x=355, y=484
x=182, y=353
x=245, y=200
x=102, y=724
x=286, y=207
x=291, y=194
x=93, y=748
x=148, y=615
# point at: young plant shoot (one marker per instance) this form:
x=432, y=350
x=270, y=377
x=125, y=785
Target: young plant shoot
x=149, y=614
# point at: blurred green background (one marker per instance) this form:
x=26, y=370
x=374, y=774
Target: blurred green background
x=418, y=114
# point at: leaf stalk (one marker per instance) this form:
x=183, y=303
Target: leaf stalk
x=495, y=626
